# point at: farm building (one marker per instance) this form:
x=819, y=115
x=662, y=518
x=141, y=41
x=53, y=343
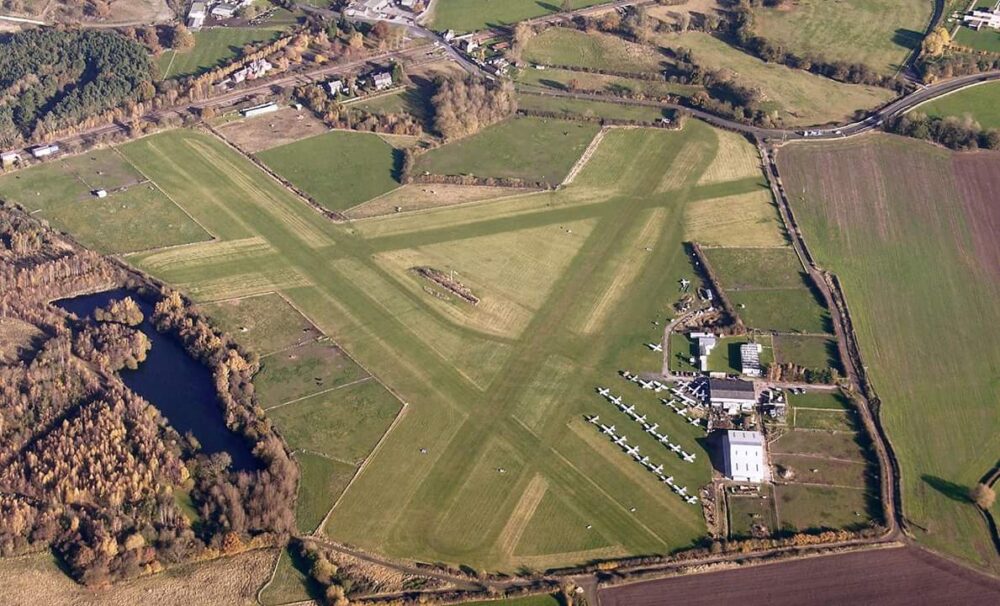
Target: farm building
x=750, y=359
x=469, y=45
x=9, y=158
x=196, y=16
x=225, y=10
x=254, y=70
x=706, y=343
x=335, y=87
x=258, y=110
x=732, y=395
x=44, y=150
x=744, y=456
x=982, y=17
x=382, y=80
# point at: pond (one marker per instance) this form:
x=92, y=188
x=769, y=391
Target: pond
x=179, y=386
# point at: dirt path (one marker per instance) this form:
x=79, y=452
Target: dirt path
x=587, y=153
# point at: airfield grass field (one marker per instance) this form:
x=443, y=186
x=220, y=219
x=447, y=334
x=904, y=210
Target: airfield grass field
x=473, y=15
x=978, y=102
x=264, y=323
x=914, y=242
x=213, y=47
x=878, y=33
x=741, y=220
x=423, y=196
x=329, y=167
x=136, y=215
x=608, y=251
x=532, y=149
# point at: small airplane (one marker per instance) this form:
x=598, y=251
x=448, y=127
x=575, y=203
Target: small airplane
x=628, y=376
x=640, y=419
x=621, y=441
x=691, y=500
x=669, y=481
x=657, y=347
x=632, y=451
x=604, y=391
x=643, y=461
x=629, y=410
x=594, y=419
x=695, y=422
x=688, y=457
x=651, y=428
x=608, y=430
x=664, y=439
x=647, y=384
x=681, y=412
x=675, y=447
x=658, y=469
x=682, y=490
x=685, y=283
x=616, y=400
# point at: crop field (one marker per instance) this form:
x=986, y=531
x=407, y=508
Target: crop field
x=979, y=102
x=917, y=282
x=136, y=215
x=419, y=196
x=213, y=47
x=473, y=15
x=889, y=577
x=532, y=149
x=797, y=97
x=573, y=48
x=589, y=109
x=479, y=400
x=328, y=167
x=878, y=33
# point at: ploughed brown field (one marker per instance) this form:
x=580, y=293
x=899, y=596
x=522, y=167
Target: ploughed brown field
x=905, y=576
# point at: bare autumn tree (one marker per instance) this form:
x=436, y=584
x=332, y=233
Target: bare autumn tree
x=983, y=496
x=463, y=106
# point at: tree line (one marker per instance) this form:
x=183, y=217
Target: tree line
x=951, y=131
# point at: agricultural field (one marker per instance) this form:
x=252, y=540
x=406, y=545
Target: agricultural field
x=749, y=220
x=589, y=109
x=479, y=400
x=287, y=125
x=420, y=196
x=213, y=47
x=978, y=102
x=795, y=97
x=473, y=15
x=879, y=33
x=747, y=511
x=567, y=47
x=135, y=215
x=531, y=149
x=916, y=282
x=550, y=78
x=327, y=167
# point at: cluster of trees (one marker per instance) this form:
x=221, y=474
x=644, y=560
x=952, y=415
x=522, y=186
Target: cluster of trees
x=794, y=373
x=51, y=79
x=463, y=106
x=953, y=64
x=953, y=132
x=325, y=573
x=123, y=311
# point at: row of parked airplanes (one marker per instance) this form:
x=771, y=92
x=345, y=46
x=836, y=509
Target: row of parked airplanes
x=693, y=398
x=633, y=451
x=651, y=429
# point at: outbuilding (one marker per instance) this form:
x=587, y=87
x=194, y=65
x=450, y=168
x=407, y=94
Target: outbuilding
x=9, y=158
x=744, y=456
x=732, y=395
x=44, y=150
x=750, y=359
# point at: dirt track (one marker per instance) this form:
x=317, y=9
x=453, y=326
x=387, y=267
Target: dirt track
x=887, y=577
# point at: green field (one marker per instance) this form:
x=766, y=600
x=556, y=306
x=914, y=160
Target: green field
x=746, y=511
x=804, y=507
x=589, y=109
x=322, y=482
x=985, y=40
x=478, y=401
x=291, y=582
x=572, y=79
x=878, y=33
x=820, y=399
x=532, y=149
x=826, y=420
x=408, y=101
x=329, y=167
x=535, y=600
x=796, y=310
x=726, y=355
x=573, y=48
x=794, y=96
x=915, y=282
x=979, y=102
x=295, y=373
x=213, y=47
x=807, y=351
x=473, y=15
x=756, y=268
x=264, y=323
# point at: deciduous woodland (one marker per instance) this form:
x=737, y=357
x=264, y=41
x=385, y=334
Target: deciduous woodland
x=90, y=469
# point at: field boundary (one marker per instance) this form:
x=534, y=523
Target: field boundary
x=318, y=393
x=584, y=159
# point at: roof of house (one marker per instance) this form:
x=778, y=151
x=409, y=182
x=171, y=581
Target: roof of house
x=731, y=389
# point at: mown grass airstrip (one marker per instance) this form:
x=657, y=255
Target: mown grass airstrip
x=478, y=401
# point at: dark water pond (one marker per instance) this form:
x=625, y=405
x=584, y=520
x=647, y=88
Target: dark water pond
x=178, y=385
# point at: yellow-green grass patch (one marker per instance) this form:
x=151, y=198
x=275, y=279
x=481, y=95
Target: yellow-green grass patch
x=829, y=400
x=321, y=482
x=264, y=323
x=571, y=47
x=343, y=424
x=796, y=97
x=822, y=444
x=422, y=196
x=537, y=80
x=557, y=527
x=294, y=373
x=511, y=273
x=804, y=507
x=213, y=47
x=534, y=600
x=807, y=351
x=474, y=15
x=726, y=355
x=878, y=33
x=749, y=220
x=338, y=169
x=813, y=470
x=978, y=102
x=751, y=268
x=826, y=420
x=747, y=511
x=291, y=582
x=735, y=159
x=530, y=149
x=796, y=310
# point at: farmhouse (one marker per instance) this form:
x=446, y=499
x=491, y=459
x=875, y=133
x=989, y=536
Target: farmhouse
x=258, y=110
x=254, y=70
x=750, y=359
x=335, y=87
x=9, y=158
x=382, y=80
x=732, y=395
x=744, y=456
x=706, y=343
x=44, y=150
x=196, y=16
x=983, y=17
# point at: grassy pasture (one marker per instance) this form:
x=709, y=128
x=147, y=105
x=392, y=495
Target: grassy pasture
x=979, y=102
x=213, y=47
x=322, y=481
x=814, y=470
x=807, y=351
x=136, y=215
x=475, y=401
x=533, y=149
x=878, y=33
x=566, y=79
x=736, y=159
x=291, y=582
x=756, y=268
x=328, y=167
x=795, y=96
x=726, y=355
x=746, y=511
x=419, y=196
x=820, y=444
x=473, y=15
x=827, y=420
x=913, y=279
x=830, y=400
x=265, y=323
x=741, y=220
x=795, y=310
x=589, y=109
x=294, y=373
x=573, y=48
x=535, y=600
x=987, y=40
x=805, y=507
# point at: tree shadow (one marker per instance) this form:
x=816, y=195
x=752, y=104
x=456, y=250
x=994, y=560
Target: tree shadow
x=397, y=164
x=953, y=491
x=552, y=84
x=548, y=7
x=907, y=38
